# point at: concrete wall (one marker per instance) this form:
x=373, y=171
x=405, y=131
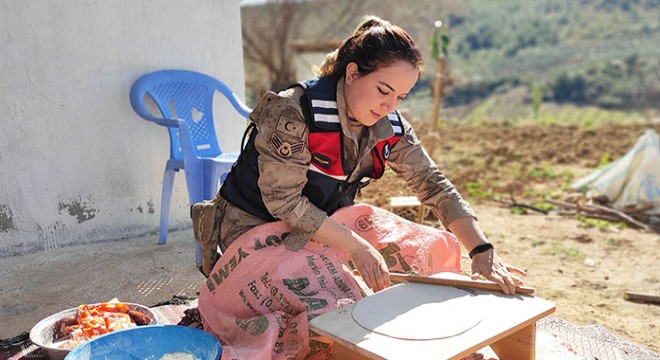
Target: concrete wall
x=76, y=163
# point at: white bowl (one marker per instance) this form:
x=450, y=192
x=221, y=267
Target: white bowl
x=51, y=329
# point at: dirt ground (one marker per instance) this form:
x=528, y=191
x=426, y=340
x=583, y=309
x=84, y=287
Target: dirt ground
x=583, y=267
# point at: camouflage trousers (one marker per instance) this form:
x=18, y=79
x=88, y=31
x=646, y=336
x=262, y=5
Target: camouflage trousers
x=216, y=224
x=206, y=218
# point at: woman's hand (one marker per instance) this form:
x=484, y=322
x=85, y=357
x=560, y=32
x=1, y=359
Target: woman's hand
x=371, y=265
x=486, y=263
x=493, y=268
x=368, y=261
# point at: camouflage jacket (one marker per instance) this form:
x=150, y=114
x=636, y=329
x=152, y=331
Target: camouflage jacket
x=282, y=175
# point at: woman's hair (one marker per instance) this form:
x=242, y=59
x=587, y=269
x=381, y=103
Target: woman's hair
x=374, y=43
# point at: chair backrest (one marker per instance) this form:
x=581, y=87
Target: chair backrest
x=188, y=96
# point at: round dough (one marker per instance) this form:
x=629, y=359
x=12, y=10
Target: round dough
x=416, y=311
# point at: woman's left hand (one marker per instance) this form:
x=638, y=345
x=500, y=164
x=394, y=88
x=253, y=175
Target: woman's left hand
x=493, y=268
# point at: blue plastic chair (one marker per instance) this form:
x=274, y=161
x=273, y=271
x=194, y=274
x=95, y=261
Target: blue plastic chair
x=185, y=101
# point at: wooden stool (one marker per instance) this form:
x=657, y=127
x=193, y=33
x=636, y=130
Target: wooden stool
x=508, y=327
x=407, y=202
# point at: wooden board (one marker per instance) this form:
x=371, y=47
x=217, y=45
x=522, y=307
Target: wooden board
x=508, y=325
x=407, y=201
x=393, y=312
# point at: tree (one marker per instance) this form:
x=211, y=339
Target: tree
x=537, y=100
x=269, y=30
x=439, y=50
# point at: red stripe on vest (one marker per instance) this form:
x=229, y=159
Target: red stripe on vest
x=325, y=149
x=326, y=152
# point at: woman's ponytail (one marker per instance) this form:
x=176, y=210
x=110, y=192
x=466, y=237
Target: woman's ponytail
x=375, y=42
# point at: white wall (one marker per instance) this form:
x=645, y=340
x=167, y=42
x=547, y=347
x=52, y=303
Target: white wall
x=76, y=163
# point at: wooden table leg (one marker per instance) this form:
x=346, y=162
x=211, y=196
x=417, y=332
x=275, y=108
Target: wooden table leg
x=518, y=345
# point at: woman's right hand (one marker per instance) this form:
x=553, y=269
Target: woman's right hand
x=371, y=265
x=368, y=261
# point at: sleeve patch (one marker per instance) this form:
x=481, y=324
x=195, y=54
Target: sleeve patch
x=289, y=127
x=285, y=148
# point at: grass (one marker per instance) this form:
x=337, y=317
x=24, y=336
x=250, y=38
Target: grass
x=610, y=241
x=602, y=225
x=557, y=249
x=557, y=294
x=537, y=243
x=475, y=189
x=543, y=173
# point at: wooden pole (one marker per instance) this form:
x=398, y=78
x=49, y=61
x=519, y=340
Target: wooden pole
x=642, y=297
x=476, y=284
x=437, y=92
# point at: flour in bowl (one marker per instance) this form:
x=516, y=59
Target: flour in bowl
x=178, y=356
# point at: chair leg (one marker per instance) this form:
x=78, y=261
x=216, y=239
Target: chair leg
x=198, y=255
x=168, y=184
x=420, y=213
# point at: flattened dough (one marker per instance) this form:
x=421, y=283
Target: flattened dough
x=416, y=311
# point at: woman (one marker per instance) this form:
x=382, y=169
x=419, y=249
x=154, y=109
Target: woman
x=311, y=146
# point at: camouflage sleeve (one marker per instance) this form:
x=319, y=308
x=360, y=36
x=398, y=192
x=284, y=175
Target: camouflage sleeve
x=284, y=159
x=411, y=161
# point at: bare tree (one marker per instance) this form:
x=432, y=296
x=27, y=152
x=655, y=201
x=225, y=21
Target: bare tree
x=270, y=30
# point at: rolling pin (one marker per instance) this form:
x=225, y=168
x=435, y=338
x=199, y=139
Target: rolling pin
x=475, y=284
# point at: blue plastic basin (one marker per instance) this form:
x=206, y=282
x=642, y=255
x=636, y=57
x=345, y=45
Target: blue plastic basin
x=150, y=342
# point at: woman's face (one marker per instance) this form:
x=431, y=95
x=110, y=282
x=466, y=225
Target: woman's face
x=371, y=97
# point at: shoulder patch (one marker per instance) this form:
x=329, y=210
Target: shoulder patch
x=285, y=148
x=289, y=127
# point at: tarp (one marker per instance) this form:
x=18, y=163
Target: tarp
x=631, y=181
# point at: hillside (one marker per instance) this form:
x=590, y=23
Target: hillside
x=588, y=53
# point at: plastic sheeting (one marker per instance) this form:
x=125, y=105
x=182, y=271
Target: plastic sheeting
x=631, y=181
